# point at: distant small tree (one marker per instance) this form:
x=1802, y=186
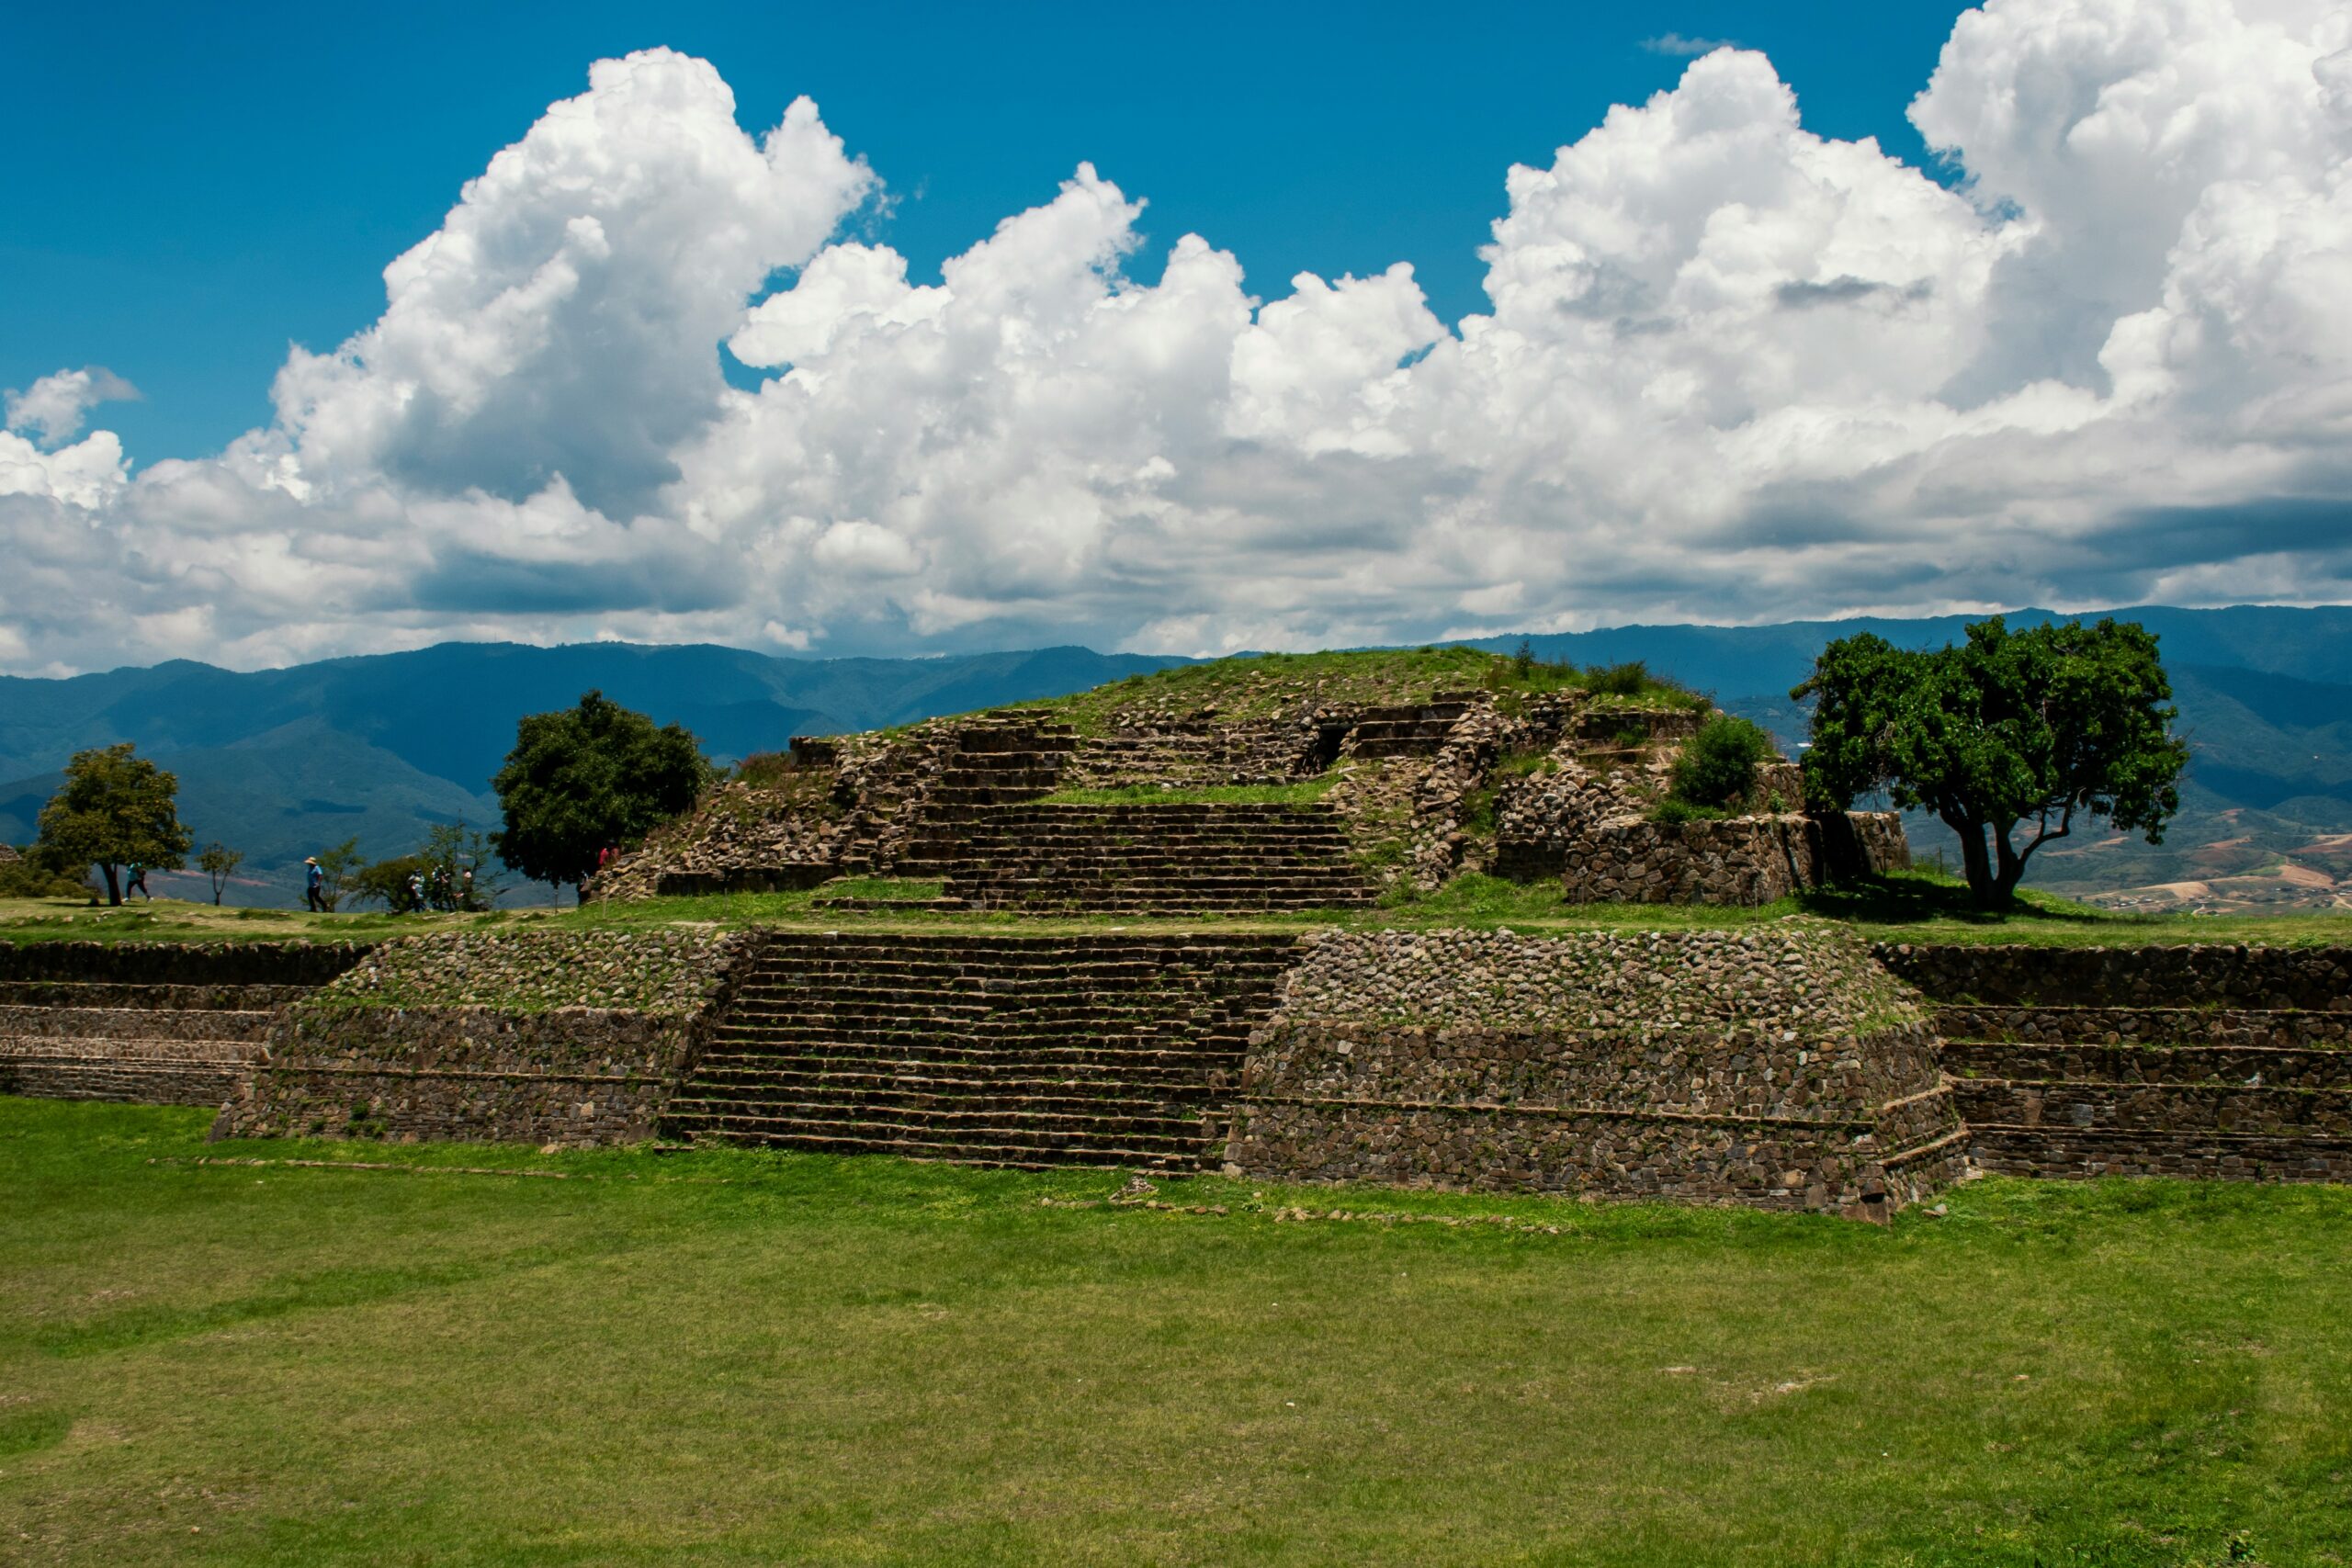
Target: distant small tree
x=388, y=882
x=589, y=778
x=220, y=863
x=113, y=809
x=460, y=866
x=336, y=866
x=2006, y=729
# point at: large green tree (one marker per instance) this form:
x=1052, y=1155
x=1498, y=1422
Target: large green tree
x=2006, y=737
x=114, y=809
x=590, y=778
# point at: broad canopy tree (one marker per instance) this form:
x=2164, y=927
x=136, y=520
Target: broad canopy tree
x=2007, y=734
x=587, y=778
x=115, y=809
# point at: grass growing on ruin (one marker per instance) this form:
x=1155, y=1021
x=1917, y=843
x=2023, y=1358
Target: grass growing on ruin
x=731, y=1358
x=1266, y=685
x=1917, y=906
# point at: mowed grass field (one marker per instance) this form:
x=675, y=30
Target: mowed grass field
x=736, y=1358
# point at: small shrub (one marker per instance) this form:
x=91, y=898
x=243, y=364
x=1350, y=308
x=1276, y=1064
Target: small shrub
x=1630, y=679
x=1717, y=767
x=1672, y=810
x=765, y=770
x=30, y=877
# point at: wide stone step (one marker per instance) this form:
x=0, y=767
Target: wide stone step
x=144, y=1081
x=979, y=1144
x=1209, y=1044
x=2080, y=1153
x=2163, y=1107
x=2145, y=1026
x=937, y=1117
x=163, y=998
x=1113, y=1086
x=244, y=1027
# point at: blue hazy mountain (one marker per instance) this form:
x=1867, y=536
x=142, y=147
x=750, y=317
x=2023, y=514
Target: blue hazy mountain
x=280, y=761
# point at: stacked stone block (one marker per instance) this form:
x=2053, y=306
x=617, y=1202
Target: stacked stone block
x=151, y=1023
x=1778, y=1068
x=1737, y=860
x=2198, y=1061
x=570, y=1038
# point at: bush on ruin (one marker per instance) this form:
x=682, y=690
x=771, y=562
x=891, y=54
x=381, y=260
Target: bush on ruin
x=1717, y=768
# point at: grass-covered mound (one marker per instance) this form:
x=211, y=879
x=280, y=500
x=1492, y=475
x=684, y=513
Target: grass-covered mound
x=727, y=1357
x=1284, y=685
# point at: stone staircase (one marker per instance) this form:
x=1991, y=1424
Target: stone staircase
x=1018, y=1051
x=1015, y=754
x=147, y=1023
x=1155, y=860
x=1416, y=731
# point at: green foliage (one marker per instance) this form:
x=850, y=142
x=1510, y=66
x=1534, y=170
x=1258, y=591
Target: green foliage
x=2005, y=729
x=1630, y=679
x=386, y=883
x=220, y=863
x=1673, y=809
x=583, y=779
x=461, y=872
x=1717, y=767
x=115, y=808
x=41, y=874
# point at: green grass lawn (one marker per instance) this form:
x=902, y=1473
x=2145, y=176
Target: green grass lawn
x=744, y=1359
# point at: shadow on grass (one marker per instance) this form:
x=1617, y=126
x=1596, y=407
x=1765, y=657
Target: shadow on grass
x=1917, y=897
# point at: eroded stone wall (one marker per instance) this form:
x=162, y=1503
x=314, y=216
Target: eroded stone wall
x=153, y=1023
x=1738, y=859
x=2195, y=1061
x=573, y=1038
x=2187, y=975
x=1779, y=1067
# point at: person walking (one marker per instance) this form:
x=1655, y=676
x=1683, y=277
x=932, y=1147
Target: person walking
x=315, y=882
x=138, y=882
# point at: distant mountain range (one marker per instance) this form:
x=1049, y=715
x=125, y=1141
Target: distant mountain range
x=278, y=763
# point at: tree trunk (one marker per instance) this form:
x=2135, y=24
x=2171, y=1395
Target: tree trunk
x=1975, y=864
x=114, y=884
x=2011, y=869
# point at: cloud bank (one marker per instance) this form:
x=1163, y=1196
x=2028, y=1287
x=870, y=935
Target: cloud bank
x=1731, y=370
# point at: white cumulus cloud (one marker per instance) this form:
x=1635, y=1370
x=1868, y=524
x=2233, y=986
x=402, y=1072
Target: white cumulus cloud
x=1729, y=369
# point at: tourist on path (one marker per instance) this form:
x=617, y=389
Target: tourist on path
x=316, y=885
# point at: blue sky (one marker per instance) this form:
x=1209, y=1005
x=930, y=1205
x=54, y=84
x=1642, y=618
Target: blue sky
x=891, y=330
x=202, y=186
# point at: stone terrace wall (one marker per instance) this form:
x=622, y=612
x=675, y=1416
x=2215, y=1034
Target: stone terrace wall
x=2199, y=1061
x=2189, y=976
x=181, y=964
x=148, y=1022
x=1779, y=1068
x=1738, y=859
x=573, y=1038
